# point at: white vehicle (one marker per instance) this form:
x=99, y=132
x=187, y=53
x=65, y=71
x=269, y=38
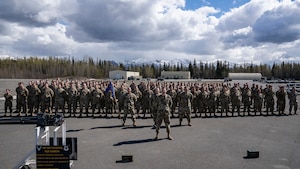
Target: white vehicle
x=289, y=87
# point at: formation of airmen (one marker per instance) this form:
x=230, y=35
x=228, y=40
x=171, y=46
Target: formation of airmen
x=206, y=99
x=161, y=100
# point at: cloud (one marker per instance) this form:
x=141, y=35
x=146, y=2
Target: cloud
x=244, y=16
x=135, y=21
x=259, y=30
x=30, y=13
x=279, y=25
x=105, y=21
x=49, y=41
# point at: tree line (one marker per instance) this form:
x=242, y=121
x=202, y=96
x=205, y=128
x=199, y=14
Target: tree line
x=52, y=67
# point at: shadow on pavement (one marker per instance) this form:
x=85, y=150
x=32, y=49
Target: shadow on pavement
x=136, y=127
x=70, y=131
x=137, y=141
x=106, y=127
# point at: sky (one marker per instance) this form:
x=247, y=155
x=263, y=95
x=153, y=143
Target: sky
x=237, y=31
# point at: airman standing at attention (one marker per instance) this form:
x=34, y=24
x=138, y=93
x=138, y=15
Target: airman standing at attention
x=59, y=101
x=225, y=100
x=246, y=95
x=202, y=101
x=235, y=96
x=8, y=102
x=84, y=100
x=212, y=102
x=185, y=106
x=258, y=101
x=195, y=102
x=129, y=106
x=22, y=95
x=292, y=95
x=138, y=94
x=146, y=100
x=154, y=105
x=280, y=94
x=36, y=97
x=163, y=112
x=72, y=102
x=269, y=96
x=47, y=95
x=97, y=95
x=120, y=93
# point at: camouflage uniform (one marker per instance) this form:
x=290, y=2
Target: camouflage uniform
x=22, y=95
x=72, y=99
x=8, y=102
x=154, y=105
x=97, y=95
x=33, y=98
x=47, y=95
x=84, y=100
x=185, y=105
x=258, y=101
x=146, y=100
x=280, y=94
x=253, y=93
x=60, y=95
x=109, y=102
x=202, y=101
x=129, y=105
x=225, y=100
x=163, y=112
x=292, y=95
x=212, y=102
x=235, y=100
x=269, y=97
x=246, y=99
x=138, y=103
x=120, y=93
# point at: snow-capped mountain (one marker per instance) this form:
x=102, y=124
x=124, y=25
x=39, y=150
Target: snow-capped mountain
x=158, y=62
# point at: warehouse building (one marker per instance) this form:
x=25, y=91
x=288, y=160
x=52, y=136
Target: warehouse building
x=121, y=74
x=176, y=74
x=244, y=76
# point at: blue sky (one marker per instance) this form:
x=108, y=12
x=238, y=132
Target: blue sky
x=237, y=31
x=223, y=5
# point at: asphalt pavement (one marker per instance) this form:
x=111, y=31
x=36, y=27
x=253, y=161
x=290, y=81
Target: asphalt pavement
x=211, y=143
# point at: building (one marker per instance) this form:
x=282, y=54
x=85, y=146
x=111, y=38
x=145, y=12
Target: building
x=121, y=74
x=245, y=76
x=176, y=74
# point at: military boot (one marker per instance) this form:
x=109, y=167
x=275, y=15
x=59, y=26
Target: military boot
x=189, y=124
x=134, y=125
x=123, y=121
x=156, y=137
x=169, y=136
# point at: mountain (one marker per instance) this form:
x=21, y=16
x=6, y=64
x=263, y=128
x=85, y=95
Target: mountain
x=156, y=62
